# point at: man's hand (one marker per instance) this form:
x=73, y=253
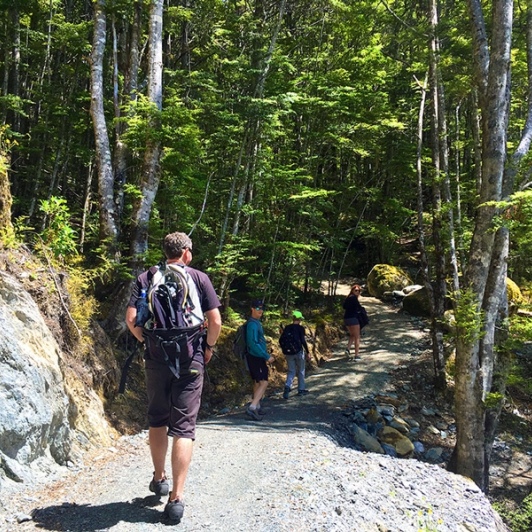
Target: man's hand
x=208, y=355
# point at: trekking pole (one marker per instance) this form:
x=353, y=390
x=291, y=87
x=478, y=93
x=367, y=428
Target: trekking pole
x=125, y=369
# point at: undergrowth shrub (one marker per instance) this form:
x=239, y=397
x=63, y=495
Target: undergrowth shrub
x=519, y=520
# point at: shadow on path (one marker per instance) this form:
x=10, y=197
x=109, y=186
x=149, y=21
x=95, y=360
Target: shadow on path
x=389, y=341
x=88, y=518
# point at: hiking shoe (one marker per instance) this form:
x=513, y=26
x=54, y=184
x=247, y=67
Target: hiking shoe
x=260, y=410
x=159, y=487
x=174, y=510
x=302, y=392
x=253, y=414
x=286, y=392
x=347, y=353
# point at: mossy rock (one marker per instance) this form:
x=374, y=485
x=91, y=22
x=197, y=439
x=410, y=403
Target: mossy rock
x=514, y=294
x=385, y=278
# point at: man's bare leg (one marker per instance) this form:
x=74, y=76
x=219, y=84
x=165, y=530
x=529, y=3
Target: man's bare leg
x=181, y=457
x=158, y=439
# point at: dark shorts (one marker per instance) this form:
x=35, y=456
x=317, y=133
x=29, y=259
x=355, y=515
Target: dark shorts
x=351, y=321
x=258, y=369
x=172, y=402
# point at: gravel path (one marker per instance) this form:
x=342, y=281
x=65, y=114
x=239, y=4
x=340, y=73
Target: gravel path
x=290, y=472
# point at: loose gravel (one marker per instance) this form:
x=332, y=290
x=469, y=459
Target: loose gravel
x=291, y=472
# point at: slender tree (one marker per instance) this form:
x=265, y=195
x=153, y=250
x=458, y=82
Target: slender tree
x=485, y=273
x=108, y=225
x=150, y=177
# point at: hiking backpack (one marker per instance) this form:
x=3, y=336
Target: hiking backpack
x=240, y=347
x=290, y=341
x=170, y=312
x=173, y=299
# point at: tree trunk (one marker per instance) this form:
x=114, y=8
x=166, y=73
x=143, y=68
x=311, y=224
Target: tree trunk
x=121, y=154
x=5, y=194
x=482, y=279
x=108, y=227
x=497, y=372
x=151, y=171
x=436, y=286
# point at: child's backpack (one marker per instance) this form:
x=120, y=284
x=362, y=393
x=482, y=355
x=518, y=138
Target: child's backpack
x=290, y=341
x=240, y=347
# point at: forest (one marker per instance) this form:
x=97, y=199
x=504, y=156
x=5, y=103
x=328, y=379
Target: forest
x=296, y=141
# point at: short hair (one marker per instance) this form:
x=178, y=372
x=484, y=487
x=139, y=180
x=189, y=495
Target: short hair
x=175, y=243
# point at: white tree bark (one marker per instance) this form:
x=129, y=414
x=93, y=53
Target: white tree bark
x=484, y=274
x=108, y=227
x=151, y=170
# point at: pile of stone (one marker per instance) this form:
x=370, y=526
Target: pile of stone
x=381, y=424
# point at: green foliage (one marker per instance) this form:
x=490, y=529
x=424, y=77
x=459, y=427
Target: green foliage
x=519, y=220
x=83, y=305
x=520, y=332
x=519, y=520
x=426, y=521
x=13, y=237
x=493, y=400
x=468, y=317
x=58, y=236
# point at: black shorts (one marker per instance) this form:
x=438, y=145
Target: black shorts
x=172, y=402
x=258, y=369
x=351, y=321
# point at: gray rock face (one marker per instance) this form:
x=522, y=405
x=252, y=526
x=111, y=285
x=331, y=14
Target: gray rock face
x=49, y=411
x=33, y=402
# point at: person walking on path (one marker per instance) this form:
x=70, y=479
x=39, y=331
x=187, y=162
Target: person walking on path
x=257, y=358
x=295, y=348
x=174, y=395
x=352, y=309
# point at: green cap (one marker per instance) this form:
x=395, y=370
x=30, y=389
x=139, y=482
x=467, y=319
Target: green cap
x=297, y=315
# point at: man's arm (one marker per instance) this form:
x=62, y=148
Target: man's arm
x=304, y=339
x=131, y=315
x=255, y=347
x=214, y=319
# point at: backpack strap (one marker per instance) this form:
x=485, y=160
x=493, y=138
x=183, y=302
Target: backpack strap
x=191, y=291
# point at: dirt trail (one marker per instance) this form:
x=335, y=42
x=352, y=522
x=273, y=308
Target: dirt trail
x=233, y=456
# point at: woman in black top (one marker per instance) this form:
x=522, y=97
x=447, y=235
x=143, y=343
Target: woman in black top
x=352, y=308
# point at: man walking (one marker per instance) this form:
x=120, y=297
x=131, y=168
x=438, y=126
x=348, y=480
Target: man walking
x=174, y=370
x=295, y=348
x=256, y=357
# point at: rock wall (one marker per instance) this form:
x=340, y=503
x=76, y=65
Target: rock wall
x=46, y=415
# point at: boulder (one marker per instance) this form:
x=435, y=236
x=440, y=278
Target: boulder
x=365, y=440
x=513, y=292
x=393, y=437
x=417, y=303
x=385, y=278
x=400, y=424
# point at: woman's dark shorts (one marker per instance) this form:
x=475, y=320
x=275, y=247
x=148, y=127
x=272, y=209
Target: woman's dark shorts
x=174, y=403
x=351, y=321
x=258, y=369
